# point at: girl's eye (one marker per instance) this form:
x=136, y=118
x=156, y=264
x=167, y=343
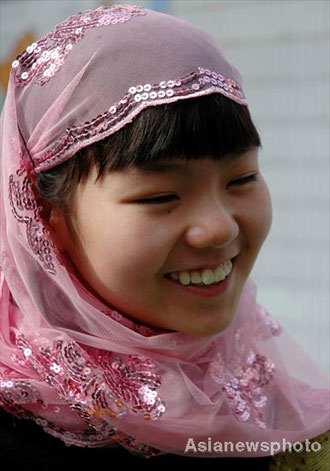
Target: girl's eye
x=159, y=200
x=168, y=198
x=243, y=181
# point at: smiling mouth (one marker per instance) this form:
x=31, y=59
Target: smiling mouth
x=202, y=278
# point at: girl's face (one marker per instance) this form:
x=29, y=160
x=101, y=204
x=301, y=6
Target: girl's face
x=199, y=214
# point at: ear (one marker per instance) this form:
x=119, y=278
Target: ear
x=53, y=219
x=58, y=228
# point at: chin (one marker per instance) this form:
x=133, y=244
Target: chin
x=208, y=331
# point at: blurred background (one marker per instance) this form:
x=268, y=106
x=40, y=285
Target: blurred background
x=282, y=50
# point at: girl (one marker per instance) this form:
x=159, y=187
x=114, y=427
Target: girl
x=132, y=212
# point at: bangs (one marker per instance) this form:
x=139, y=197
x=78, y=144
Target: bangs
x=211, y=126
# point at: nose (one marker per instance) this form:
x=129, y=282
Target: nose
x=213, y=225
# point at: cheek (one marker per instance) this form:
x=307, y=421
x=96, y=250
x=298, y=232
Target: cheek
x=256, y=216
x=263, y=213
x=127, y=245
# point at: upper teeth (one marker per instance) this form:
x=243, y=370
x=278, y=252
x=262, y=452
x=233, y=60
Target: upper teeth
x=206, y=276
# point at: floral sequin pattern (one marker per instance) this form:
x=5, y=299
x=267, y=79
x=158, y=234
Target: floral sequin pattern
x=132, y=382
x=26, y=211
x=96, y=384
x=266, y=326
x=42, y=59
x=15, y=391
x=242, y=380
x=197, y=83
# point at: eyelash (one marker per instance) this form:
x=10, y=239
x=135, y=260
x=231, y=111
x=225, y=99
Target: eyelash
x=167, y=198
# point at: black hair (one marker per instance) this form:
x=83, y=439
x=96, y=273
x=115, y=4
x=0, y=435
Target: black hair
x=212, y=126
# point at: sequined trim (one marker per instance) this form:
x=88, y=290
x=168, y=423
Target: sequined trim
x=138, y=97
x=16, y=392
x=242, y=380
x=42, y=59
x=96, y=383
x=142, y=329
x=22, y=200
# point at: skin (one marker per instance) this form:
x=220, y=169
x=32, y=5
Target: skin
x=123, y=249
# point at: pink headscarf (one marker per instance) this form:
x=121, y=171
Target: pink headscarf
x=78, y=368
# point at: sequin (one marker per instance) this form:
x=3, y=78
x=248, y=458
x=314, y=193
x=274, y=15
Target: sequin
x=52, y=49
x=266, y=326
x=26, y=211
x=14, y=394
x=116, y=316
x=17, y=391
x=56, y=368
x=95, y=383
x=121, y=111
x=90, y=390
x=243, y=378
x=27, y=352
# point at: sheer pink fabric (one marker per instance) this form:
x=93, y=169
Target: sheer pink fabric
x=82, y=371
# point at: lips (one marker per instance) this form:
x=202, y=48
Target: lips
x=206, y=291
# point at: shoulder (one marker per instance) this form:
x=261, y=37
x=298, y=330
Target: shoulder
x=312, y=457
x=25, y=445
